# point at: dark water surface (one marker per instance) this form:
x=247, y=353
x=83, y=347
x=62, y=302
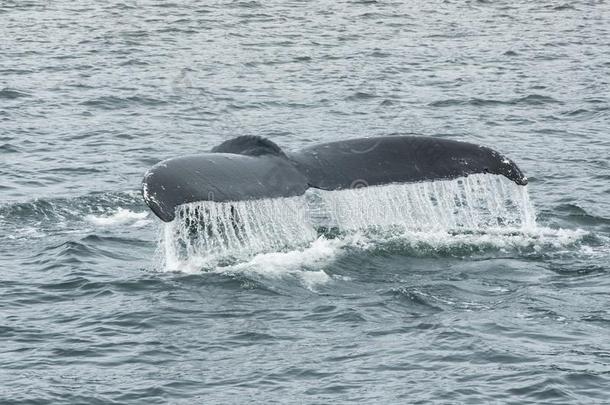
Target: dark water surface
x=91, y=95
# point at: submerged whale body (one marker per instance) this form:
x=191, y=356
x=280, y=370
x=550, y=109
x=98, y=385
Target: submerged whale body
x=252, y=167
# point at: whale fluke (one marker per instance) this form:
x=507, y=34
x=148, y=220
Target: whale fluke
x=251, y=167
x=398, y=159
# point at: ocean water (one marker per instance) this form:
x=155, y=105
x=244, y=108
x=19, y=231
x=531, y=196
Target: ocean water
x=472, y=291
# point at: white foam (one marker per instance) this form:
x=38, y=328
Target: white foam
x=303, y=263
x=122, y=216
x=498, y=239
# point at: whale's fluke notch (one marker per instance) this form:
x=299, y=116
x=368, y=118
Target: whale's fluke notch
x=252, y=167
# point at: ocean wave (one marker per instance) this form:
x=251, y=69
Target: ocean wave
x=53, y=209
x=44, y=216
x=115, y=102
x=9, y=148
x=8, y=93
x=529, y=100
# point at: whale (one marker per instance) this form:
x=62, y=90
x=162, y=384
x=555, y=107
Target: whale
x=252, y=167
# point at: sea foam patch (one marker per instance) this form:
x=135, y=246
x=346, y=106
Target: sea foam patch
x=121, y=216
x=305, y=263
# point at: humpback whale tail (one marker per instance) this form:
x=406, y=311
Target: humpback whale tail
x=251, y=168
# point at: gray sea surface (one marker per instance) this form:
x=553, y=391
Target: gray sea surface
x=92, y=94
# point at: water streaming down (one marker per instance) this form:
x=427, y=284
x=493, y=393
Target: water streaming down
x=477, y=203
x=208, y=233
x=226, y=231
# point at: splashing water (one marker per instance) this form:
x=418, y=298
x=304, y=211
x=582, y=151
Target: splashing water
x=121, y=216
x=208, y=234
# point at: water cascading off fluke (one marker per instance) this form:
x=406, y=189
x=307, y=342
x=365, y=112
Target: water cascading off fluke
x=475, y=203
x=213, y=232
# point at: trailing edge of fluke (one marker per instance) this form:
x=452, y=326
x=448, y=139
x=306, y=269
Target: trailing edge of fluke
x=252, y=167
